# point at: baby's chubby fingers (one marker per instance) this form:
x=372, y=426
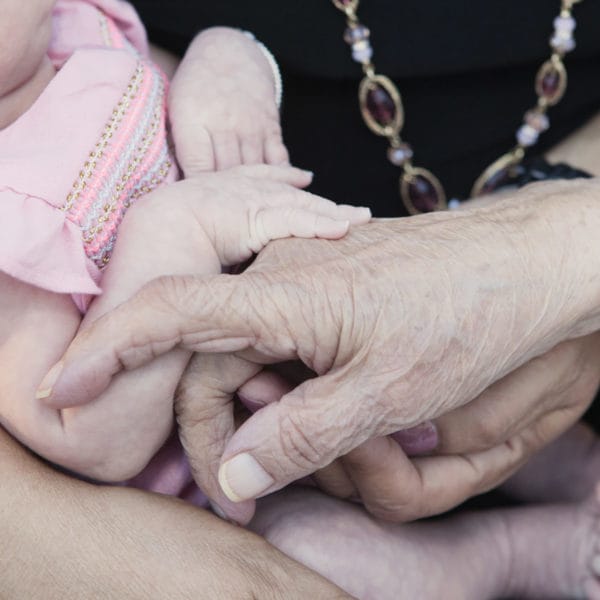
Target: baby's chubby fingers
x=305, y=216
x=311, y=203
x=275, y=151
x=251, y=148
x=227, y=151
x=283, y=222
x=298, y=178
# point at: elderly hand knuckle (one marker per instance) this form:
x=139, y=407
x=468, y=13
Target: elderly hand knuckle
x=298, y=445
x=487, y=434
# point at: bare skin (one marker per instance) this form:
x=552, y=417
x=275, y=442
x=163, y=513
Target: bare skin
x=211, y=134
x=538, y=552
x=203, y=226
x=115, y=438
x=65, y=539
x=542, y=551
x=431, y=361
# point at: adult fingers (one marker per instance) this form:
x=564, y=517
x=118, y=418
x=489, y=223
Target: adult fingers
x=544, y=384
x=264, y=388
x=205, y=415
x=268, y=387
x=418, y=440
x=293, y=438
x=396, y=488
x=199, y=314
x=334, y=480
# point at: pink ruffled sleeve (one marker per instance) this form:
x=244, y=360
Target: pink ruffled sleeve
x=43, y=248
x=92, y=144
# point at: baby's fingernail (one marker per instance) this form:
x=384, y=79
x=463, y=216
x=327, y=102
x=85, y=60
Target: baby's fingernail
x=243, y=478
x=45, y=390
x=309, y=173
x=218, y=511
x=418, y=440
x=252, y=405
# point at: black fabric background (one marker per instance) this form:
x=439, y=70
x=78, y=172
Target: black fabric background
x=465, y=69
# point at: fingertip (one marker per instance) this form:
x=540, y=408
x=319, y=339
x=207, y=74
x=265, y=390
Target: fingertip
x=358, y=215
x=299, y=178
x=46, y=387
x=243, y=478
x=418, y=441
x=331, y=229
x=239, y=514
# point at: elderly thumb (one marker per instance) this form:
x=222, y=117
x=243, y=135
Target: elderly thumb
x=289, y=439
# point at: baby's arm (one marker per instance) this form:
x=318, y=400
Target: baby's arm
x=114, y=438
x=35, y=329
x=223, y=104
x=174, y=231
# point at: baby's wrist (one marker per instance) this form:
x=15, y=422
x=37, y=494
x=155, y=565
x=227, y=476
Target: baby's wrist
x=273, y=64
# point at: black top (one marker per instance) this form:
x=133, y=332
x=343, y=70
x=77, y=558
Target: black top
x=465, y=70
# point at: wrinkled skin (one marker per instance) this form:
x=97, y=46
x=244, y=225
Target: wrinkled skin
x=404, y=321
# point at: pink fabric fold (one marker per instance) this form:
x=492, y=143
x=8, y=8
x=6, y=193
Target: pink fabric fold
x=72, y=164
x=39, y=246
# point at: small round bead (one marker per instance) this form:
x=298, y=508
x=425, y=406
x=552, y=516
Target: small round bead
x=538, y=120
x=564, y=24
x=527, y=136
x=362, y=52
x=358, y=33
x=562, y=44
x=453, y=204
x=399, y=155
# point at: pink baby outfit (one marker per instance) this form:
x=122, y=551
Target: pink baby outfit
x=90, y=146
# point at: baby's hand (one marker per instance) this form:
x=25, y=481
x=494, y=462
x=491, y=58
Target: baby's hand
x=242, y=210
x=223, y=105
x=193, y=227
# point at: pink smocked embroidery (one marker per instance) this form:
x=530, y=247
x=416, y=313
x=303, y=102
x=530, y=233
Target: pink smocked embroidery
x=130, y=159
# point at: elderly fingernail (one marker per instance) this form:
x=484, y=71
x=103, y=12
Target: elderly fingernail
x=45, y=390
x=243, y=478
x=418, y=440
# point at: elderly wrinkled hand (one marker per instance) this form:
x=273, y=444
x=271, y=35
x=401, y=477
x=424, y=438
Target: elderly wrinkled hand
x=470, y=450
x=403, y=321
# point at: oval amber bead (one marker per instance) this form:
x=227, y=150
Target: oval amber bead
x=381, y=105
x=551, y=81
x=422, y=192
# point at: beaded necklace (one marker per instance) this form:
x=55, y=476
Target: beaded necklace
x=383, y=112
